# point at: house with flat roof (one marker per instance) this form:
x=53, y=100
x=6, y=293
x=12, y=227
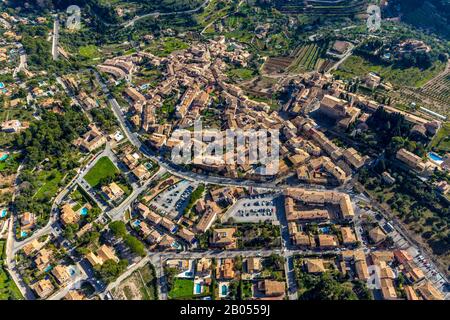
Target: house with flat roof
x=203, y=267
x=13, y=126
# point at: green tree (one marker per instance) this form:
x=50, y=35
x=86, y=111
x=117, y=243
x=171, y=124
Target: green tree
x=110, y=270
x=135, y=245
x=118, y=228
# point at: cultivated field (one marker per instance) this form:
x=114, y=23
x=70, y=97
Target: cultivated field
x=275, y=65
x=141, y=285
x=438, y=91
x=304, y=58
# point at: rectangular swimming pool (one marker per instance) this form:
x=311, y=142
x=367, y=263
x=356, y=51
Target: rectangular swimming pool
x=435, y=158
x=224, y=290
x=197, y=288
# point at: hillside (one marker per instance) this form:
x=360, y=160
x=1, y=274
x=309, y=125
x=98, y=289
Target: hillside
x=433, y=15
x=113, y=11
x=326, y=7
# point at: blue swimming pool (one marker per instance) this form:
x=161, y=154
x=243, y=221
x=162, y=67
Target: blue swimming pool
x=23, y=234
x=4, y=157
x=325, y=230
x=48, y=268
x=198, y=288
x=3, y=213
x=436, y=158
x=137, y=223
x=84, y=211
x=176, y=245
x=224, y=290
x=2, y=85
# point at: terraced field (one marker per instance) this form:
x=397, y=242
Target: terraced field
x=306, y=58
x=277, y=64
x=438, y=89
x=434, y=95
x=324, y=7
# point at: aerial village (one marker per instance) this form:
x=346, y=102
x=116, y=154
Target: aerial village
x=127, y=223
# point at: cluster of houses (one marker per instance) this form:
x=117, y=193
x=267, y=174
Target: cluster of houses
x=200, y=271
x=162, y=232
x=379, y=270
x=304, y=207
x=44, y=260
x=198, y=74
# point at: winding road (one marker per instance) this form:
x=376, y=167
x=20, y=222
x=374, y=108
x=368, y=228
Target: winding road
x=131, y=22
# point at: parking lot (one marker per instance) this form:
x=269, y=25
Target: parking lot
x=259, y=208
x=173, y=200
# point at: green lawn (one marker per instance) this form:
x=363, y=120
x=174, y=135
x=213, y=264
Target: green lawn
x=356, y=66
x=441, y=142
x=89, y=52
x=165, y=46
x=81, y=199
x=241, y=74
x=102, y=169
x=182, y=288
x=10, y=164
x=8, y=289
x=50, y=183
